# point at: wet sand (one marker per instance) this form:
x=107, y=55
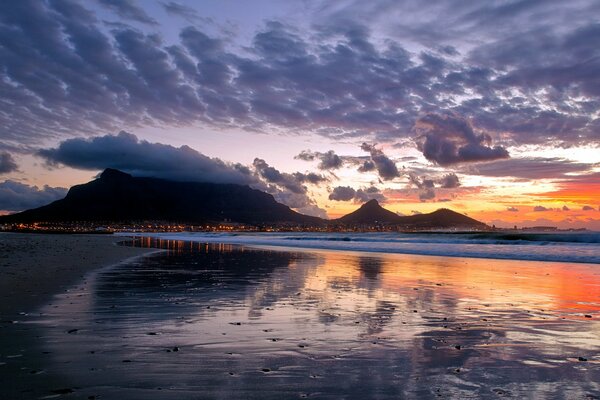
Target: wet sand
x=33, y=269
x=223, y=321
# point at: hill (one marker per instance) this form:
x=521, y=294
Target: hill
x=118, y=197
x=371, y=213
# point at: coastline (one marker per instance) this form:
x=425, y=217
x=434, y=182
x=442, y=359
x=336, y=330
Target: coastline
x=35, y=267
x=372, y=243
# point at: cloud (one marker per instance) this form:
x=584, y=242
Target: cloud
x=386, y=168
x=16, y=196
x=310, y=177
x=7, y=163
x=63, y=70
x=127, y=9
x=272, y=175
x=512, y=209
x=588, y=208
x=327, y=161
x=288, y=188
x=342, y=193
x=127, y=153
x=449, y=181
x=427, y=185
x=181, y=10
x=362, y=195
x=427, y=194
x=448, y=139
x=530, y=168
x=365, y=194
x=541, y=209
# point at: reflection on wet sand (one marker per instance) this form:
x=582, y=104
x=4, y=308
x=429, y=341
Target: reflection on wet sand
x=222, y=321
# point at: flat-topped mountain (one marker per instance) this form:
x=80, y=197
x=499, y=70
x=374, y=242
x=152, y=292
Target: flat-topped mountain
x=116, y=196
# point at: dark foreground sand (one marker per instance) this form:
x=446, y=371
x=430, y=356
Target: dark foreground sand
x=33, y=269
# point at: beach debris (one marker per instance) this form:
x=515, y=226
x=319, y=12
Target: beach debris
x=126, y=361
x=266, y=370
x=587, y=316
x=457, y=347
x=582, y=359
x=72, y=330
x=175, y=348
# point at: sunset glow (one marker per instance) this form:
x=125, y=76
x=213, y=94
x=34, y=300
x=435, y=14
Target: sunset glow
x=487, y=109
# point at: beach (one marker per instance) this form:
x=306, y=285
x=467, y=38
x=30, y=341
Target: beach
x=33, y=269
x=227, y=321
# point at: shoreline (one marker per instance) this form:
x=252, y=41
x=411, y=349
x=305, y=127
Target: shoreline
x=360, y=247
x=35, y=267
x=34, y=270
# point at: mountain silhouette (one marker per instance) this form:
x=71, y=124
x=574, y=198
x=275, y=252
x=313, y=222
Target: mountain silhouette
x=371, y=213
x=118, y=197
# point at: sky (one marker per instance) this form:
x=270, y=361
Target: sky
x=491, y=109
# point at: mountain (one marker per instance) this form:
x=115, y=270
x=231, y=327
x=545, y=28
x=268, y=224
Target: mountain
x=371, y=213
x=440, y=219
x=118, y=197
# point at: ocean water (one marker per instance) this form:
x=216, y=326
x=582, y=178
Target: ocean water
x=222, y=321
x=579, y=247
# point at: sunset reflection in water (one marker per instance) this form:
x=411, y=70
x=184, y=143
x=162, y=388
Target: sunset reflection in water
x=255, y=323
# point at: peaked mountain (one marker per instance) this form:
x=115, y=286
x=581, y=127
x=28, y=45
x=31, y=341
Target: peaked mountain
x=372, y=213
x=116, y=196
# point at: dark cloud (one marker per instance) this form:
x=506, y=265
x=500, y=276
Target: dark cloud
x=365, y=194
x=128, y=9
x=447, y=139
x=327, y=161
x=342, y=193
x=512, y=209
x=540, y=209
x=427, y=185
x=386, y=168
x=565, y=208
x=288, y=189
x=588, y=208
x=141, y=158
x=362, y=195
x=449, y=181
x=310, y=177
x=531, y=75
x=367, y=166
x=7, y=163
x=16, y=196
x=272, y=175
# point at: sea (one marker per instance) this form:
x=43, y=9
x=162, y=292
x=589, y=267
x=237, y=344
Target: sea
x=577, y=247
